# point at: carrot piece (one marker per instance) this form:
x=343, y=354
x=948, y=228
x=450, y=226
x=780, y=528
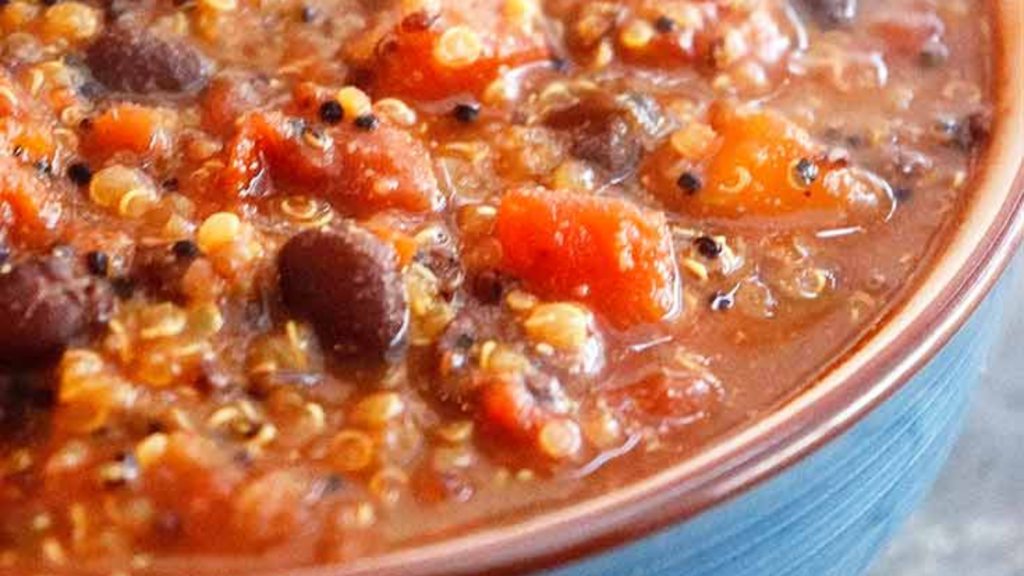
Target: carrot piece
x=34, y=141
x=765, y=166
x=28, y=210
x=607, y=252
x=131, y=127
x=414, y=62
x=509, y=407
x=405, y=246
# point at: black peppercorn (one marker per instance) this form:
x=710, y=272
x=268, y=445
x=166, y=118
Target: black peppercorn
x=185, y=250
x=689, y=182
x=707, y=247
x=367, y=122
x=466, y=113
x=805, y=172
x=80, y=173
x=722, y=301
x=331, y=112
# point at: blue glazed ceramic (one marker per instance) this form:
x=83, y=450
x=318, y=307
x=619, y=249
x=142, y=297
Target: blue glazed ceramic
x=831, y=513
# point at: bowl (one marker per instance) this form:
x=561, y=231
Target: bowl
x=819, y=486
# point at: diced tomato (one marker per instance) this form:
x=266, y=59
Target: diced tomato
x=33, y=138
x=227, y=99
x=357, y=170
x=510, y=408
x=607, y=252
x=132, y=128
x=411, y=62
x=194, y=479
x=28, y=210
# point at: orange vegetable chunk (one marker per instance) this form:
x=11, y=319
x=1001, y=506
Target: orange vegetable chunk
x=358, y=171
x=28, y=210
x=131, y=127
x=459, y=51
x=607, y=252
x=756, y=170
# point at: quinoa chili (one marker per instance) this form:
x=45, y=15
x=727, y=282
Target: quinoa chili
x=295, y=282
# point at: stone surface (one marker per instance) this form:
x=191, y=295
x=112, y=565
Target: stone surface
x=973, y=522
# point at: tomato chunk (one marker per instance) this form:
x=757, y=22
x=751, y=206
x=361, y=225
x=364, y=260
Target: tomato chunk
x=29, y=212
x=607, y=252
x=131, y=127
x=194, y=480
x=459, y=50
x=359, y=171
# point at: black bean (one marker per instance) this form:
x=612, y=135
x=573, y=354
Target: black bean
x=46, y=303
x=128, y=60
x=20, y=394
x=347, y=283
x=601, y=133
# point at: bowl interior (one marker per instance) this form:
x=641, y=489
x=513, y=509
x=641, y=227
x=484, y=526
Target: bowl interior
x=981, y=246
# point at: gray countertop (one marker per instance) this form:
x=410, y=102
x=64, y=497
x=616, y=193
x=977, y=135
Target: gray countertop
x=973, y=522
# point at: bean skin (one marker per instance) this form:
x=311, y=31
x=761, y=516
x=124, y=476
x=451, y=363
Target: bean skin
x=46, y=303
x=346, y=282
x=136, y=62
x=601, y=133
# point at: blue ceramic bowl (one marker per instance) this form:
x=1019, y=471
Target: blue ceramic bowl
x=832, y=512
x=820, y=485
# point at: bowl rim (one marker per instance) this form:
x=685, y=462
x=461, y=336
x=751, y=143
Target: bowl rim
x=876, y=368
